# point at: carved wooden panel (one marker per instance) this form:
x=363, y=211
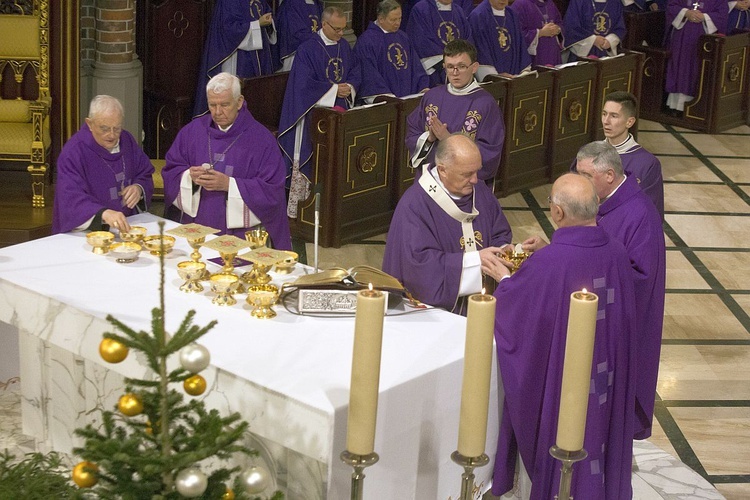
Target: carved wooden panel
x=403, y=174
x=617, y=73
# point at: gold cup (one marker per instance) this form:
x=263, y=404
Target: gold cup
x=191, y=272
x=136, y=234
x=517, y=258
x=100, y=241
x=258, y=275
x=256, y=237
x=287, y=265
x=159, y=244
x=125, y=252
x=224, y=285
x=262, y=297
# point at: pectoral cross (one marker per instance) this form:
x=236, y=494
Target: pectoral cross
x=696, y=5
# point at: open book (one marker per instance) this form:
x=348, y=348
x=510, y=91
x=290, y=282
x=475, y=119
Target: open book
x=356, y=278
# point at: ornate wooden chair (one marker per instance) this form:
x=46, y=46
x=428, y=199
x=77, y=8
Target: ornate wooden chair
x=24, y=94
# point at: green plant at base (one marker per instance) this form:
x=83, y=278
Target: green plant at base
x=36, y=476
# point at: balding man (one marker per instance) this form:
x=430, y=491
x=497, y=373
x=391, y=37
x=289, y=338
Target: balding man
x=530, y=333
x=447, y=230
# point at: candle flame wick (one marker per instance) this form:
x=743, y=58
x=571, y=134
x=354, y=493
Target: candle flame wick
x=483, y=290
x=370, y=286
x=584, y=291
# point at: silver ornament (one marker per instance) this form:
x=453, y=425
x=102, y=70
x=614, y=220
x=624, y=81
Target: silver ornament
x=191, y=482
x=194, y=358
x=255, y=479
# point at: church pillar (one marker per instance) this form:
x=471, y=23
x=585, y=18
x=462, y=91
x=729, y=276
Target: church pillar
x=116, y=68
x=346, y=6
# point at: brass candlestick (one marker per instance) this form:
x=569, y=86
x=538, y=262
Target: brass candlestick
x=358, y=462
x=467, y=478
x=568, y=458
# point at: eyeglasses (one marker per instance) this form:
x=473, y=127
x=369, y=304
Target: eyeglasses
x=460, y=68
x=337, y=30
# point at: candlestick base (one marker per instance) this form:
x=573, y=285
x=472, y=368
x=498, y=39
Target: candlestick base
x=358, y=463
x=467, y=478
x=568, y=458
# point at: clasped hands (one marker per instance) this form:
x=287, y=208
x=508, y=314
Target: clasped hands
x=209, y=179
x=694, y=16
x=549, y=29
x=602, y=43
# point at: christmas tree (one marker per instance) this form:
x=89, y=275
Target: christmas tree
x=155, y=443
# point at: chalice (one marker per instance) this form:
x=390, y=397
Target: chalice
x=262, y=297
x=516, y=256
x=263, y=260
x=256, y=237
x=100, y=241
x=195, y=234
x=287, y=265
x=191, y=272
x=224, y=285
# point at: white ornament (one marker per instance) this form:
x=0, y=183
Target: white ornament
x=255, y=479
x=194, y=358
x=191, y=482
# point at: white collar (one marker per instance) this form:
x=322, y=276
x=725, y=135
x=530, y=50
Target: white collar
x=625, y=145
x=325, y=39
x=624, y=177
x=497, y=12
x=471, y=87
x=443, y=7
x=115, y=149
x=225, y=129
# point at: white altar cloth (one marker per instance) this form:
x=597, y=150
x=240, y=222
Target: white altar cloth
x=288, y=377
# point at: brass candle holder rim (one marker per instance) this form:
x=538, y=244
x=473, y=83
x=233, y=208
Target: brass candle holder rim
x=581, y=295
x=472, y=462
x=355, y=460
x=566, y=455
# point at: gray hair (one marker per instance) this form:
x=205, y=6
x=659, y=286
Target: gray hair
x=331, y=11
x=577, y=197
x=603, y=155
x=386, y=7
x=223, y=82
x=103, y=104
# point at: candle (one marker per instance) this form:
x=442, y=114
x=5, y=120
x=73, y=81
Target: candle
x=475, y=394
x=363, y=393
x=579, y=349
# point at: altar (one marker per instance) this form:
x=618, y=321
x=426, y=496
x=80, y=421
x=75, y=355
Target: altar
x=288, y=377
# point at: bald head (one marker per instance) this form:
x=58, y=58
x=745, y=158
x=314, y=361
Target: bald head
x=458, y=160
x=574, y=200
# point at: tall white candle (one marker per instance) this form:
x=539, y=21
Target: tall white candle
x=579, y=349
x=363, y=393
x=475, y=393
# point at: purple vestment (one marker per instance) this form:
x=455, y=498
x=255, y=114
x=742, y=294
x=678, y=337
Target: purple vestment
x=530, y=333
x=499, y=39
x=246, y=152
x=423, y=247
x=389, y=63
x=646, y=169
x=89, y=179
x=297, y=21
x=630, y=217
x=316, y=68
x=476, y=114
x=466, y=5
x=585, y=18
x=739, y=21
x=430, y=29
x=229, y=25
x=683, y=69
x=533, y=15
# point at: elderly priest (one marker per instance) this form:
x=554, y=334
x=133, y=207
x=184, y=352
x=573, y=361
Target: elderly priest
x=224, y=169
x=447, y=230
x=531, y=351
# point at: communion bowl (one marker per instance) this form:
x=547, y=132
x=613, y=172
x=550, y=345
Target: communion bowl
x=262, y=297
x=136, y=234
x=517, y=258
x=191, y=272
x=224, y=284
x=125, y=252
x=100, y=240
x=154, y=244
x=256, y=237
x=286, y=265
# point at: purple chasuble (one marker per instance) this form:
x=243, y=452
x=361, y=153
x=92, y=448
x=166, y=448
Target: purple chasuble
x=89, y=179
x=586, y=17
x=297, y=21
x=499, y=39
x=430, y=30
x=646, y=169
x=533, y=15
x=466, y=5
x=389, y=63
x=475, y=114
x=739, y=21
x=246, y=152
x=683, y=71
x=530, y=333
x=229, y=26
x=630, y=217
x=316, y=67
x=423, y=248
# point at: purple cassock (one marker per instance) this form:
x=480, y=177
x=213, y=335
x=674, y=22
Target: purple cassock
x=430, y=30
x=499, y=39
x=317, y=67
x=423, y=247
x=466, y=5
x=230, y=24
x=530, y=333
x=90, y=178
x=646, y=169
x=248, y=153
x=297, y=21
x=389, y=63
x=739, y=20
x=585, y=18
x=533, y=15
x=630, y=217
x=476, y=114
x=683, y=66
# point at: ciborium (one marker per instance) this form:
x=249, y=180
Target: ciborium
x=516, y=256
x=263, y=260
x=224, y=285
x=256, y=237
x=191, y=272
x=100, y=241
x=136, y=234
x=159, y=244
x=228, y=246
x=262, y=297
x=125, y=252
x=195, y=234
x=287, y=265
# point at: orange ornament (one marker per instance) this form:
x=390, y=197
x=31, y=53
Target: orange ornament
x=229, y=495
